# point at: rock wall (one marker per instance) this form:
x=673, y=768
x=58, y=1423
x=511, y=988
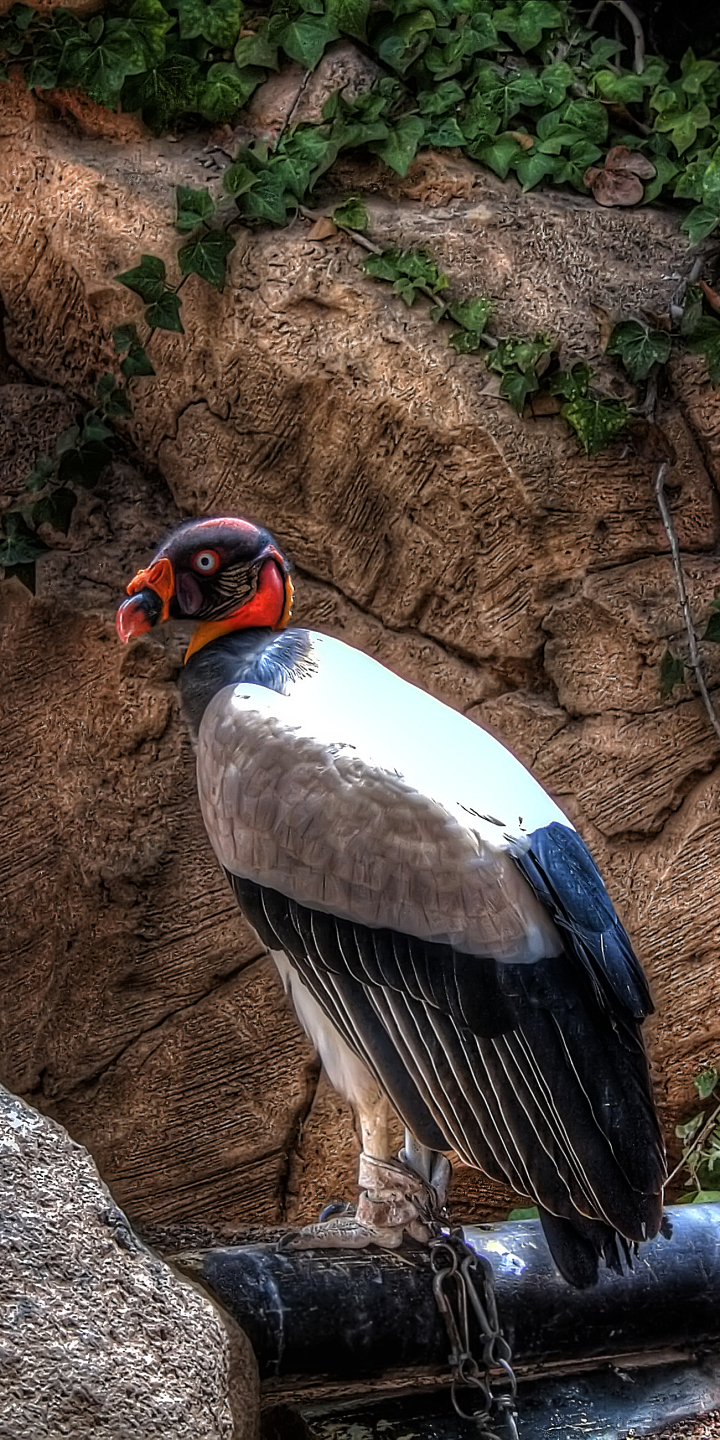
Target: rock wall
x=477, y=553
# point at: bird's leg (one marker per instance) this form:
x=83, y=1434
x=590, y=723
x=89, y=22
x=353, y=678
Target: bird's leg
x=399, y=1198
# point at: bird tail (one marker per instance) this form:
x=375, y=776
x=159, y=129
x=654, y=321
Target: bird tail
x=577, y=1246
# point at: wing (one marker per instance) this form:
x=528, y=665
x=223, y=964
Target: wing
x=358, y=794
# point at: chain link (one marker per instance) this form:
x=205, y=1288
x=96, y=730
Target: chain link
x=463, y=1285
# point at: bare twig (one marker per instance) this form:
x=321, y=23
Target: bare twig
x=353, y=234
x=696, y=1144
x=661, y=475
x=635, y=26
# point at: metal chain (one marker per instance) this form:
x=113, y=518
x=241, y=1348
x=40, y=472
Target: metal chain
x=456, y=1268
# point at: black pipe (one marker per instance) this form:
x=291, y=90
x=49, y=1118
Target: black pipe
x=342, y=1315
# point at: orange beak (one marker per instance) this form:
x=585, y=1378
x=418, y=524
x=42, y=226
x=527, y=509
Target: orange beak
x=150, y=594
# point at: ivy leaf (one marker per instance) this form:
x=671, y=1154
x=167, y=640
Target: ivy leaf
x=147, y=279
x=500, y=154
x=618, y=89
x=712, y=634
x=152, y=22
x=226, y=89
x=20, y=545
x=400, y=148
x=352, y=215
x=217, y=21
x=690, y=1127
x=193, y=206
x=306, y=38
x=441, y=98
x=267, y=200
x=523, y=355
x=256, y=51
x=163, y=92
x=595, y=420
x=705, y=340
x=349, y=16
x=525, y=22
x=136, y=363
x=124, y=336
x=466, y=342
x=672, y=673
x=683, y=125
x=444, y=134
x=207, y=257
x=165, y=313
x=401, y=44
x=571, y=384
x=472, y=314
x=56, y=509
x=706, y=1081
x=515, y=387
x=700, y=222
x=525, y=1212
x=239, y=179
x=639, y=348
x=40, y=474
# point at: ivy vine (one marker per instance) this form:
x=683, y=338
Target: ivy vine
x=524, y=87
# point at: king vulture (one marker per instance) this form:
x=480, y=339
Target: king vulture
x=443, y=931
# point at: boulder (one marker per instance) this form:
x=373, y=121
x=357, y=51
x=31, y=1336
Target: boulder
x=98, y=1335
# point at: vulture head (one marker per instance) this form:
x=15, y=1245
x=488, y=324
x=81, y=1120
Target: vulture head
x=227, y=574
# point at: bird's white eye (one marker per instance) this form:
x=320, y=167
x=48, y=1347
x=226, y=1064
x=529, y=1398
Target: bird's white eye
x=206, y=561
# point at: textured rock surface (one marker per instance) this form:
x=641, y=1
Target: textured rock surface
x=477, y=553
x=98, y=1335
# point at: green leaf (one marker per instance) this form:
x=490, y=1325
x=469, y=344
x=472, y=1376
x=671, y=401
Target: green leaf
x=239, y=179
x=589, y=117
x=217, y=21
x=596, y=421
x=440, y=99
x=500, y=154
x=639, y=348
x=525, y=21
x=226, y=89
x=525, y=1212
x=136, y=363
x=472, y=314
x=152, y=21
x=532, y=167
x=20, y=545
x=444, y=134
x=352, y=215
x=383, y=267
x=192, y=207
x=165, y=313
x=401, y=44
x=516, y=386
x=571, y=384
x=618, y=89
x=519, y=354
x=306, y=39
x=267, y=200
x=700, y=223
x=706, y=1081
x=711, y=185
x=40, y=474
x=207, y=257
x=349, y=16
x=25, y=573
x=56, y=509
x=400, y=148
x=672, y=673
x=147, y=279
x=256, y=51
x=466, y=342
x=690, y=1127
x=164, y=92
x=124, y=336
x=94, y=427
x=705, y=340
